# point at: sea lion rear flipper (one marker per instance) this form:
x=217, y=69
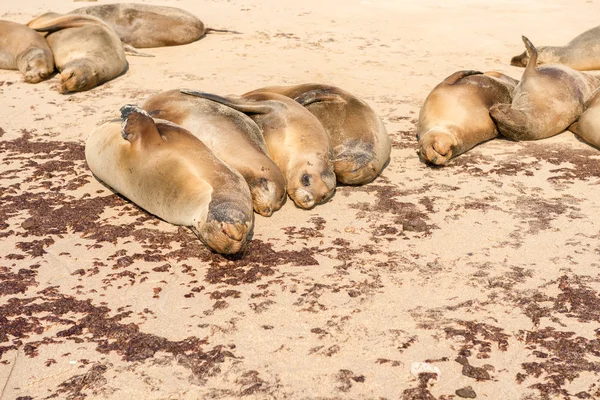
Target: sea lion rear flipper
x=318, y=95
x=245, y=106
x=132, y=51
x=211, y=30
x=51, y=21
x=533, y=55
x=136, y=123
x=455, y=77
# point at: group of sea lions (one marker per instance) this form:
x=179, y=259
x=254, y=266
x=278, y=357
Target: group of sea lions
x=553, y=95
x=208, y=161
x=88, y=45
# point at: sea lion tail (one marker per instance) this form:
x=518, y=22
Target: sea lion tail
x=533, y=55
x=455, y=77
x=317, y=95
x=213, y=30
x=132, y=51
x=51, y=21
x=245, y=106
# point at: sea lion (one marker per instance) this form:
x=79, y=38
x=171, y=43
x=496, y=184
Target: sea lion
x=588, y=125
x=455, y=115
x=144, y=25
x=296, y=141
x=24, y=49
x=546, y=101
x=360, y=142
x=167, y=171
x=232, y=136
x=87, y=52
x=582, y=53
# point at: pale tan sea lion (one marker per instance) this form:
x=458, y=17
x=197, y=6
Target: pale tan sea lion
x=360, y=142
x=24, y=49
x=547, y=101
x=455, y=115
x=582, y=53
x=588, y=125
x=296, y=141
x=170, y=173
x=232, y=136
x=144, y=25
x=87, y=52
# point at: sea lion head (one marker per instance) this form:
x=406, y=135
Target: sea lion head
x=39, y=65
x=311, y=183
x=268, y=195
x=436, y=146
x=77, y=77
x=226, y=228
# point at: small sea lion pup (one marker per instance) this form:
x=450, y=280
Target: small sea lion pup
x=582, y=53
x=144, y=25
x=232, y=136
x=87, y=52
x=588, y=125
x=360, y=142
x=170, y=173
x=24, y=49
x=548, y=99
x=455, y=116
x=296, y=141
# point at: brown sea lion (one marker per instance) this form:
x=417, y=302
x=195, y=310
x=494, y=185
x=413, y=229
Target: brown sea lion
x=548, y=99
x=582, y=53
x=87, y=52
x=455, y=116
x=588, y=125
x=232, y=136
x=24, y=49
x=296, y=141
x=145, y=25
x=167, y=171
x=360, y=142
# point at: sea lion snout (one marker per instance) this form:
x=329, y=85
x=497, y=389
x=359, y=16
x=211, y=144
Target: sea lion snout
x=521, y=60
x=309, y=189
x=267, y=196
x=436, y=147
x=77, y=78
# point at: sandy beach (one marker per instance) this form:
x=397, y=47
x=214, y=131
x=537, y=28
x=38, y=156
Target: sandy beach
x=487, y=269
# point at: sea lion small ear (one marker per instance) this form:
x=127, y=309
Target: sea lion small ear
x=135, y=121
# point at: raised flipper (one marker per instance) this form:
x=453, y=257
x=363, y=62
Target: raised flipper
x=136, y=124
x=51, y=21
x=533, y=55
x=317, y=96
x=245, y=106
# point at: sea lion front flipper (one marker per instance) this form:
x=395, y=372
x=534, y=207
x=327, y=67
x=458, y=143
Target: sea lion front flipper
x=132, y=51
x=318, y=95
x=51, y=21
x=245, y=106
x=211, y=30
x=533, y=55
x=136, y=123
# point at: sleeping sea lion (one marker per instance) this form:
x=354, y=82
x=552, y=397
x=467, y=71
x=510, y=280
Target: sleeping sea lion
x=87, y=52
x=455, y=116
x=232, y=136
x=548, y=99
x=145, y=25
x=296, y=141
x=588, y=125
x=24, y=49
x=166, y=170
x=360, y=142
x=582, y=53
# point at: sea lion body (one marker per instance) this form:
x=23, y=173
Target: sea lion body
x=232, y=136
x=455, y=115
x=86, y=51
x=170, y=173
x=582, y=53
x=144, y=25
x=24, y=49
x=360, y=142
x=547, y=100
x=588, y=125
x=296, y=141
